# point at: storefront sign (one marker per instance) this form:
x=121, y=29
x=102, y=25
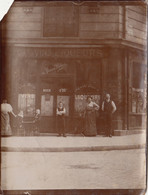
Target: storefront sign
x=81, y=88
x=60, y=52
x=53, y=68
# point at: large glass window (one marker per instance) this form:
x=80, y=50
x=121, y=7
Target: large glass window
x=138, y=76
x=26, y=103
x=138, y=88
x=81, y=101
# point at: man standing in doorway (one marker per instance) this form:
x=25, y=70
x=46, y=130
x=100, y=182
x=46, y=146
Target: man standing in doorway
x=108, y=107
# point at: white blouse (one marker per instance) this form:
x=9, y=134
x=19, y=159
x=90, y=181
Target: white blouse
x=6, y=108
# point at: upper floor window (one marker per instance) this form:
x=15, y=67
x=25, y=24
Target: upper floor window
x=61, y=21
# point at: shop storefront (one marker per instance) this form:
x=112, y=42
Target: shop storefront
x=93, y=53
x=51, y=75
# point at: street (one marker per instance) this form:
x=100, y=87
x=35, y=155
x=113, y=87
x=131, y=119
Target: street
x=74, y=170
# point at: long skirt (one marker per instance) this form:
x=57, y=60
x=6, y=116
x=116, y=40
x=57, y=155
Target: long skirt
x=5, y=124
x=90, y=124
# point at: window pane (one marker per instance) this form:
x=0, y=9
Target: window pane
x=47, y=105
x=138, y=76
x=80, y=102
x=26, y=103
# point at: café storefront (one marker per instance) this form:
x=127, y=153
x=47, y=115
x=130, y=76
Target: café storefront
x=64, y=51
x=51, y=75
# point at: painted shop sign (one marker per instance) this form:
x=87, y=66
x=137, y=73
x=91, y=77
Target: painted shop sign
x=46, y=90
x=60, y=52
x=53, y=68
x=63, y=90
x=83, y=87
x=87, y=90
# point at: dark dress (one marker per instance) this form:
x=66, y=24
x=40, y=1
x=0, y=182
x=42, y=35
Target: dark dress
x=108, y=108
x=90, y=121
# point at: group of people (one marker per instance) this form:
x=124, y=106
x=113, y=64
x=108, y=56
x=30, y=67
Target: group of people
x=90, y=129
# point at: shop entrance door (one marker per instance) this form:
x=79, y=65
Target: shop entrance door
x=54, y=90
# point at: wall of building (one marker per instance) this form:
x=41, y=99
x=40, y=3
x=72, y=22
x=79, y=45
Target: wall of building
x=135, y=24
x=27, y=20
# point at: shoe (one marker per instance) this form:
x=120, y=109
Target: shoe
x=59, y=135
x=110, y=135
x=64, y=135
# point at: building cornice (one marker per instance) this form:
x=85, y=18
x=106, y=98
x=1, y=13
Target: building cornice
x=73, y=43
x=79, y=3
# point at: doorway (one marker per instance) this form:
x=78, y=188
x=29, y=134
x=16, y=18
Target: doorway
x=52, y=91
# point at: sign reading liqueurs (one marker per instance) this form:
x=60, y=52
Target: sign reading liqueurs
x=59, y=52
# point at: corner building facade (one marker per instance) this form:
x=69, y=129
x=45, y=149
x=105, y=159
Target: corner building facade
x=64, y=51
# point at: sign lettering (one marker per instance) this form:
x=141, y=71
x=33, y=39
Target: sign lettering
x=60, y=52
x=46, y=90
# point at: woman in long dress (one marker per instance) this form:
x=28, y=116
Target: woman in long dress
x=90, y=118
x=5, y=118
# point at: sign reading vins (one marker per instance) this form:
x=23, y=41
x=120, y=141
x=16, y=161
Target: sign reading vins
x=59, y=52
x=61, y=21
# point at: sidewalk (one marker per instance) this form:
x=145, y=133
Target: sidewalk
x=72, y=143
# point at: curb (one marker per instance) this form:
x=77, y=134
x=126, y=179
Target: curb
x=72, y=149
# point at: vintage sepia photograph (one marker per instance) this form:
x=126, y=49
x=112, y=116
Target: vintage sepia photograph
x=73, y=98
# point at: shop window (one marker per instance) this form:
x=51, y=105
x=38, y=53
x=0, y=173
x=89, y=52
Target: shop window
x=138, y=88
x=61, y=21
x=47, y=105
x=81, y=101
x=26, y=103
x=138, y=76
x=138, y=101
